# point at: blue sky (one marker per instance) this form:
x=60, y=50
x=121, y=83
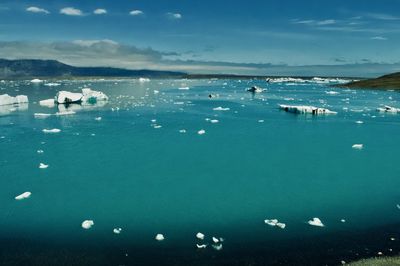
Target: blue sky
x=254, y=36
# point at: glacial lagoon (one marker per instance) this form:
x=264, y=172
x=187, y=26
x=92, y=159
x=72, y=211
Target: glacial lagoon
x=162, y=157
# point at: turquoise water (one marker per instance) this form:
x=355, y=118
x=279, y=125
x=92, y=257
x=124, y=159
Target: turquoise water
x=122, y=172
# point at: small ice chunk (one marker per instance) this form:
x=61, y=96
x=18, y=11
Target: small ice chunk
x=201, y=246
x=215, y=240
x=184, y=88
x=281, y=225
x=217, y=247
x=65, y=113
x=47, y=103
x=36, y=81
x=201, y=132
x=41, y=115
x=43, y=166
x=315, y=222
x=117, y=230
x=51, y=131
x=65, y=97
x=182, y=131
x=142, y=80
x=358, y=146
x=200, y=235
x=87, y=224
x=159, y=237
x=98, y=118
x=271, y=222
x=214, y=121
x=220, y=108
x=332, y=92
x=40, y=151
x=359, y=122
x=261, y=121
x=23, y=196
x=157, y=126
x=343, y=220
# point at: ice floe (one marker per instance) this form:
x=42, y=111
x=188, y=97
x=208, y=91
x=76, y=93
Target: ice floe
x=51, y=131
x=220, y=108
x=304, y=109
x=182, y=131
x=98, y=118
x=358, y=146
x=200, y=236
x=52, y=84
x=255, y=89
x=201, y=132
x=23, y=196
x=47, y=103
x=41, y=115
x=43, y=166
x=316, y=222
x=87, y=224
x=87, y=96
x=64, y=97
x=388, y=109
x=62, y=113
x=36, y=81
x=202, y=246
x=159, y=237
x=91, y=96
x=142, y=80
x=117, y=230
x=184, y=88
x=275, y=222
x=6, y=99
x=217, y=247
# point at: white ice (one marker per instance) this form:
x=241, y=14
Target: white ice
x=159, y=237
x=87, y=224
x=51, y=131
x=315, y=222
x=23, y=196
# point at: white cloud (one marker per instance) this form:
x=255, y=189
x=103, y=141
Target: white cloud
x=379, y=38
x=303, y=21
x=380, y=16
x=136, y=12
x=174, y=15
x=100, y=11
x=326, y=22
x=70, y=11
x=36, y=9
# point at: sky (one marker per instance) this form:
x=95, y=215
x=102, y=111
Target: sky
x=255, y=37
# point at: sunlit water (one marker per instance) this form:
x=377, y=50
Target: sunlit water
x=256, y=163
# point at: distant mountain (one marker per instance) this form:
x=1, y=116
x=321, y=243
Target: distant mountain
x=391, y=81
x=28, y=68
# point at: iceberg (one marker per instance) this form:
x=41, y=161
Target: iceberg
x=36, y=81
x=200, y=235
x=91, y=96
x=315, y=222
x=255, y=89
x=43, y=166
x=304, y=109
x=48, y=103
x=65, y=97
x=201, y=132
x=6, y=99
x=51, y=131
x=23, y=196
x=358, y=146
x=117, y=230
x=388, y=109
x=159, y=237
x=87, y=224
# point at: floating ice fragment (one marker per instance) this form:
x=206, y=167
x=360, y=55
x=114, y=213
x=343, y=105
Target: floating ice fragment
x=332, y=92
x=64, y=97
x=65, y=113
x=215, y=240
x=184, y=88
x=6, y=99
x=41, y=115
x=142, y=80
x=358, y=146
x=157, y=126
x=47, y=103
x=281, y=225
x=315, y=222
x=117, y=231
x=52, y=84
x=255, y=89
x=159, y=237
x=87, y=224
x=201, y=132
x=343, y=220
x=43, y=166
x=388, y=109
x=219, y=108
x=201, y=246
x=359, y=122
x=200, y=235
x=182, y=131
x=40, y=151
x=91, y=96
x=54, y=130
x=271, y=222
x=214, y=121
x=98, y=118
x=303, y=109
x=261, y=121
x=217, y=247
x=36, y=81
x=23, y=196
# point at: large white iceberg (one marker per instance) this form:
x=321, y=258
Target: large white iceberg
x=388, y=109
x=87, y=96
x=304, y=109
x=6, y=99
